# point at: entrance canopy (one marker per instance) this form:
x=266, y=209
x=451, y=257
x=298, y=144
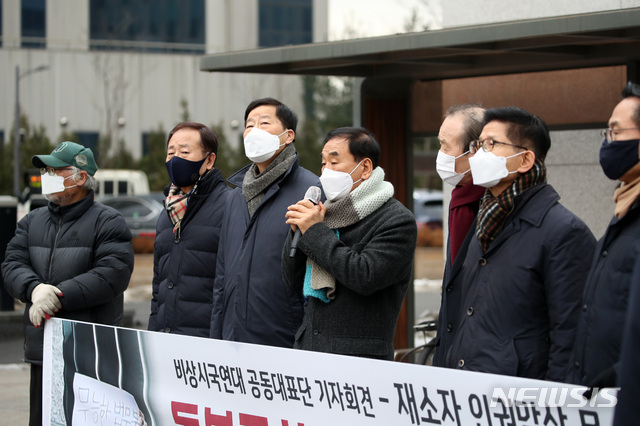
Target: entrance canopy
x=406, y=83
x=576, y=41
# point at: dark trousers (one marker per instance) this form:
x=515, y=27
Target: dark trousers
x=35, y=396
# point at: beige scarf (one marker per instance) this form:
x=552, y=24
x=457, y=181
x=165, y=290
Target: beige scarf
x=625, y=196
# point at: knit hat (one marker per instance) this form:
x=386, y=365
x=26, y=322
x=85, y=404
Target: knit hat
x=68, y=154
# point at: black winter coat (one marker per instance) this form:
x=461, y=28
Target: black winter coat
x=252, y=303
x=85, y=250
x=628, y=409
x=520, y=299
x=184, y=267
x=451, y=295
x=604, y=308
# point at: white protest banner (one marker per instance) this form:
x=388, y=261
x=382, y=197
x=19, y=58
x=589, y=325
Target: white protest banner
x=193, y=381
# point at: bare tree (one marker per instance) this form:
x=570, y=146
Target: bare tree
x=111, y=72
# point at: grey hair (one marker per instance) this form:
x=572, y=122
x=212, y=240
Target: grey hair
x=90, y=184
x=473, y=121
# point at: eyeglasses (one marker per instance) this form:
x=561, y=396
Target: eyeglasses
x=609, y=134
x=51, y=171
x=487, y=145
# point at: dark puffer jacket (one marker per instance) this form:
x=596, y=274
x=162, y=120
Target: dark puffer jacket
x=184, y=267
x=604, y=307
x=85, y=250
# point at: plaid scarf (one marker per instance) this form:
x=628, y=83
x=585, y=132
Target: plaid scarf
x=494, y=211
x=176, y=203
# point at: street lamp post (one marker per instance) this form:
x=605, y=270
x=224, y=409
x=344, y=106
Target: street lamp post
x=16, y=135
x=16, y=127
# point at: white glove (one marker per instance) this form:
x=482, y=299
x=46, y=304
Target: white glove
x=45, y=303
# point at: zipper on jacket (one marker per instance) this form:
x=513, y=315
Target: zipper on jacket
x=55, y=245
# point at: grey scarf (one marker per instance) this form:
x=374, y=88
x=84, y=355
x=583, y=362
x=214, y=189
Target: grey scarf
x=255, y=184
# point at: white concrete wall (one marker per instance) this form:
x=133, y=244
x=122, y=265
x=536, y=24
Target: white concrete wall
x=67, y=24
x=459, y=13
x=151, y=85
x=152, y=88
x=573, y=168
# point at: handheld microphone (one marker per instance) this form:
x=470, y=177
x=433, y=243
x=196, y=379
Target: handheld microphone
x=313, y=194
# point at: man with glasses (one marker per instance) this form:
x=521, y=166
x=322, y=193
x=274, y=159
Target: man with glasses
x=72, y=259
x=596, y=356
x=527, y=262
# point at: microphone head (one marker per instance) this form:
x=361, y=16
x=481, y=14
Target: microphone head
x=313, y=194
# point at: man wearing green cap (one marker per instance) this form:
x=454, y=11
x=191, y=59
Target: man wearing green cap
x=72, y=259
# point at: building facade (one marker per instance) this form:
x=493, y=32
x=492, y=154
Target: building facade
x=96, y=67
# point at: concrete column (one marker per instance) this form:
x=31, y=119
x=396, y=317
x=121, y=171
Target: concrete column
x=11, y=29
x=67, y=24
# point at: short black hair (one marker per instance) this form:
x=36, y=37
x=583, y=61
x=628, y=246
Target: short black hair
x=633, y=90
x=362, y=143
x=473, y=117
x=208, y=138
x=287, y=117
x=524, y=128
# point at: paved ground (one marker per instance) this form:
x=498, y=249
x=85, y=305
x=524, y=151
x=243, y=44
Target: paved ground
x=14, y=374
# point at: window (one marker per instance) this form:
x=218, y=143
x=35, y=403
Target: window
x=33, y=24
x=425, y=151
x=174, y=26
x=145, y=144
x=133, y=209
x=284, y=22
x=108, y=188
x=123, y=187
x=89, y=140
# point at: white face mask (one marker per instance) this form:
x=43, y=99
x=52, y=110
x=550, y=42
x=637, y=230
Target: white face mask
x=488, y=169
x=336, y=184
x=53, y=184
x=260, y=145
x=446, y=168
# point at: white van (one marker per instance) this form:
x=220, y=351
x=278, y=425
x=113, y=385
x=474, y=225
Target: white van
x=113, y=182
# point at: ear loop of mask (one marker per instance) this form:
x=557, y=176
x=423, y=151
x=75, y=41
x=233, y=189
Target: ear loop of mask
x=454, y=163
x=511, y=156
x=354, y=171
x=72, y=186
x=285, y=142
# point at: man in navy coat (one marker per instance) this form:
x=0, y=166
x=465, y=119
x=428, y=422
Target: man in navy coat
x=522, y=276
x=251, y=302
x=596, y=356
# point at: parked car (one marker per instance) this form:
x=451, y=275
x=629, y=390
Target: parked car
x=141, y=212
x=427, y=208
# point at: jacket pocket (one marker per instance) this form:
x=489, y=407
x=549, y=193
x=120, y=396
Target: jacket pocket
x=300, y=332
x=489, y=355
x=532, y=353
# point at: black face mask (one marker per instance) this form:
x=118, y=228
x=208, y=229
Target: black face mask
x=183, y=172
x=618, y=157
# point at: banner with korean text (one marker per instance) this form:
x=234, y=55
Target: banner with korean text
x=98, y=375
